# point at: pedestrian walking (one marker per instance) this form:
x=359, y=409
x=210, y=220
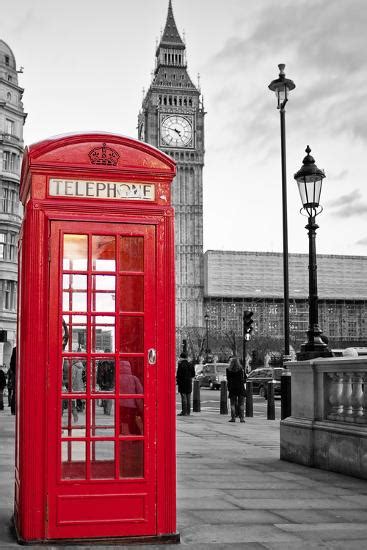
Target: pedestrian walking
x=106, y=381
x=236, y=389
x=2, y=387
x=185, y=374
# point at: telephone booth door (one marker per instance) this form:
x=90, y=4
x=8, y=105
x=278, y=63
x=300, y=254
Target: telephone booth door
x=102, y=380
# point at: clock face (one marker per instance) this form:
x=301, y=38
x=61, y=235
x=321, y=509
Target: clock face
x=176, y=131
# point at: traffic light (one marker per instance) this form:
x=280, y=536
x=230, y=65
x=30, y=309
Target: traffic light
x=247, y=322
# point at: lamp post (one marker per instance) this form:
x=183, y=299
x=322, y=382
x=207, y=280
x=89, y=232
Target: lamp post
x=282, y=86
x=206, y=317
x=309, y=179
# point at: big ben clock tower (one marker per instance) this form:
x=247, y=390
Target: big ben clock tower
x=172, y=119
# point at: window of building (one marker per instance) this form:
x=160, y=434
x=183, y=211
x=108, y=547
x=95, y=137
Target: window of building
x=9, y=201
x=10, y=78
x=12, y=240
x=7, y=59
x=9, y=126
x=8, y=96
x=9, y=295
x=2, y=245
x=10, y=161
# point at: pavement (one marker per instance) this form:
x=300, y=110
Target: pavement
x=234, y=492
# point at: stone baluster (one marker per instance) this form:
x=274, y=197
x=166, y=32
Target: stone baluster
x=357, y=395
x=335, y=396
x=347, y=397
x=363, y=418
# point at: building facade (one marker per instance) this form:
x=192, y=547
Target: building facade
x=172, y=119
x=238, y=281
x=12, y=119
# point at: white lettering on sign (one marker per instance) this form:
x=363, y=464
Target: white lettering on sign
x=101, y=189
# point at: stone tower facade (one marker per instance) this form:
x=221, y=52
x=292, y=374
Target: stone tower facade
x=12, y=119
x=172, y=119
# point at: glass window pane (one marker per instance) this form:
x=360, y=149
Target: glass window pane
x=132, y=458
x=74, y=333
x=131, y=293
x=131, y=416
x=74, y=375
x=75, y=252
x=103, y=334
x=74, y=282
x=132, y=254
x=103, y=301
x=74, y=301
x=102, y=413
x=103, y=253
x=137, y=370
x=103, y=282
x=103, y=375
x=73, y=418
x=131, y=375
x=73, y=460
x=132, y=334
x=102, y=458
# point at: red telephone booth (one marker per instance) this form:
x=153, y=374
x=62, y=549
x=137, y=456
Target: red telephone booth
x=96, y=342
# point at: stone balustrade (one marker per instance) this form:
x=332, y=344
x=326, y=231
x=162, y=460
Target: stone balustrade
x=328, y=425
x=346, y=394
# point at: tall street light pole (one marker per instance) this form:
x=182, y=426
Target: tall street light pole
x=309, y=179
x=206, y=317
x=282, y=86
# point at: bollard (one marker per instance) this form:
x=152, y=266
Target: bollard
x=271, y=402
x=196, y=408
x=285, y=395
x=249, y=400
x=223, y=398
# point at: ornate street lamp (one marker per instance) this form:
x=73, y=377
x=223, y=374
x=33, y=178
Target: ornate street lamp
x=309, y=179
x=282, y=86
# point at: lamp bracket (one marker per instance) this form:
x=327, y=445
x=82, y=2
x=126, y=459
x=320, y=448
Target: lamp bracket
x=311, y=212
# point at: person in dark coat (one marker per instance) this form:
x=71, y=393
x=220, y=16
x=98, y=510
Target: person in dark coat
x=2, y=388
x=185, y=374
x=12, y=379
x=236, y=389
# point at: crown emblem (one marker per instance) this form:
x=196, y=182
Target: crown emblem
x=104, y=155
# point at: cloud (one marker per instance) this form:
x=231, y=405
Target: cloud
x=351, y=210
x=330, y=73
x=346, y=199
x=348, y=205
x=362, y=241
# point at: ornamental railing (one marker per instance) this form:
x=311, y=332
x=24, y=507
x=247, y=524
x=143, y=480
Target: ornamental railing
x=346, y=395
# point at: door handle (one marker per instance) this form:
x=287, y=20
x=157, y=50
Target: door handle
x=152, y=356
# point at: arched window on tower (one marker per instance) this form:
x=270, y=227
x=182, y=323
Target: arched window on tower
x=190, y=102
x=165, y=100
x=180, y=101
x=185, y=102
x=170, y=100
x=175, y=101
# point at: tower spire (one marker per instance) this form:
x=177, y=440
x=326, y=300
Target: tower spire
x=171, y=36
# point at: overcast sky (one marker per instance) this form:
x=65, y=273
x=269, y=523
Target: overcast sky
x=86, y=63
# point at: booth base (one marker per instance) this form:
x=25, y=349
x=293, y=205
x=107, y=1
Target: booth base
x=173, y=538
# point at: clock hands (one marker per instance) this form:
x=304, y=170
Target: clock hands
x=177, y=131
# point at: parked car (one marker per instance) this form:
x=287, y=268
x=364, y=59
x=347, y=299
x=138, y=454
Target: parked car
x=212, y=375
x=260, y=378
